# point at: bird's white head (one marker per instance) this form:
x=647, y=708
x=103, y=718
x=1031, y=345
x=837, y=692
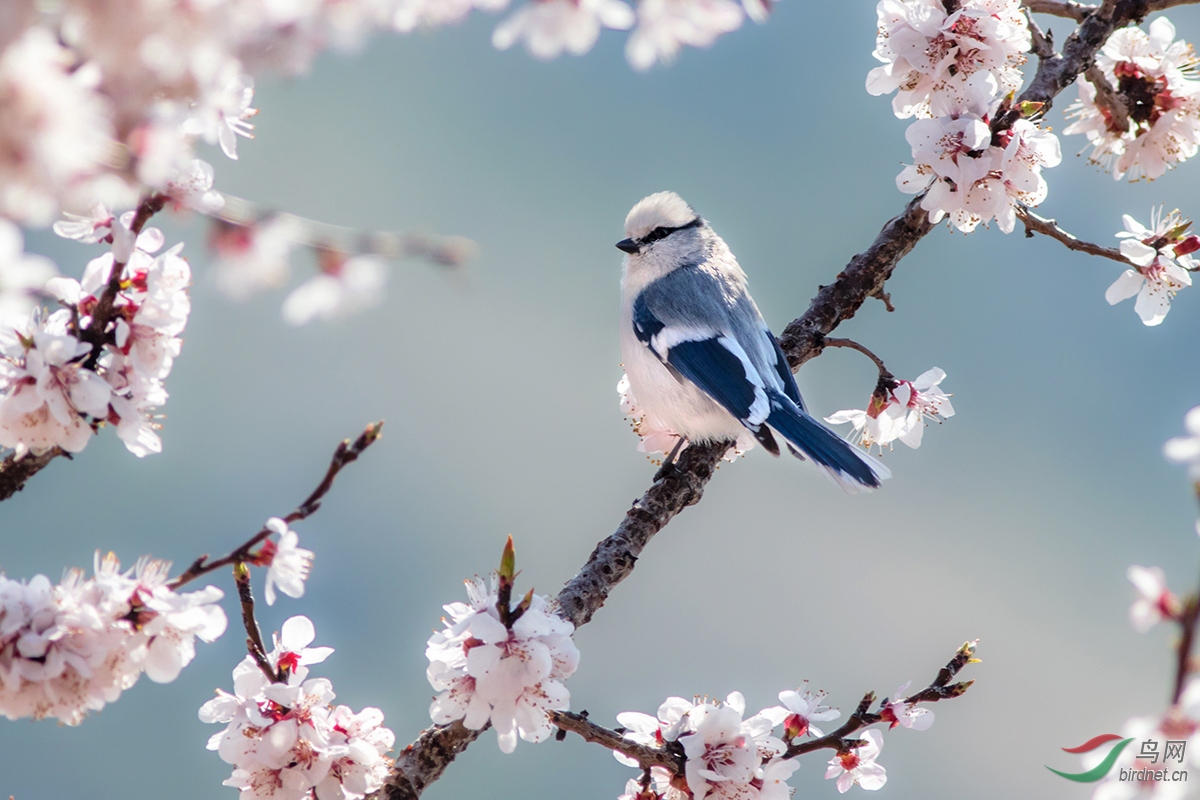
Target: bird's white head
x=663, y=232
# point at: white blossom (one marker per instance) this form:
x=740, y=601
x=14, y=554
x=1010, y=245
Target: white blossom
x=23, y=276
x=251, y=258
x=1155, y=601
x=343, y=286
x=1186, y=449
x=1163, y=261
x=898, y=712
x=70, y=648
x=510, y=676
x=1155, y=77
x=285, y=738
x=801, y=709
x=666, y=26
x=858, y=766
x=900, y=413
x=288, y=565
x=930, y=55
x=551, y=27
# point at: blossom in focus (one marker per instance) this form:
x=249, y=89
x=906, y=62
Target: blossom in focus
x=655, y=438
x=930, y=55
x=1163, y=261
x=897, y=712
x=551, y=27
x=70, y=648
x=1155, y=601
x=858, y=765
x=343, y=286
x=1155, y=77
x=728, y=757
x=802, y=709
x=510, y=675
x=666, y=26
x=900, y=413
x=285, y=739
x=288, y=564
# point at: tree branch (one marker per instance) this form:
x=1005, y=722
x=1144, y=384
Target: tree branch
x=14, y=472
x=670, y=759
x=1050, y=228
x=346, y=453
x=1060, y=8
x=681, y=484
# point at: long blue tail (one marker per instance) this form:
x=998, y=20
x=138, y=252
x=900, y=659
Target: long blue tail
x=848, y=466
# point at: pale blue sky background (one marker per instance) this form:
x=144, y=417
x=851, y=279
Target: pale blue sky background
x=1014, y=522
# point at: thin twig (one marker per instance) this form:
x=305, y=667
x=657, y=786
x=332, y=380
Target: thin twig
x=1050, y=228
x=939, y=689
x=254, y=640
x=346, y=453
x=446, y=251
x=853, y=345
x=1059, y=8
x=670, y=759
x=1043, y=43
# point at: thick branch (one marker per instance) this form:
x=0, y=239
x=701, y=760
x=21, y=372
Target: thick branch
x=424, y=761
x=14, y=472
x=1050, y=228
x=1060, y=8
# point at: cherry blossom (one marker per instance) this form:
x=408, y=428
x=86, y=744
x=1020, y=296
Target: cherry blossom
x=1163, y=261
x=289, y=564
x=858, y=766
x=897, y=712
x=1154, y=76
x=192, y=188
x=551, y=27
x=1186, y=449
x=900, y=413
x=343, y=286
x=930, y=53
x=1155, y=601
x=251, y=258
x=286, y=739
x=655, y=438
x=508, y=674
x=728, y=757
x=802, y=709
x=665, y=26
x=70, y=648
x=23, y=276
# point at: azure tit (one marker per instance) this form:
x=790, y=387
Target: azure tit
x=699, y=356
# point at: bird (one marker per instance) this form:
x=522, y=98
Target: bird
x=698, y=354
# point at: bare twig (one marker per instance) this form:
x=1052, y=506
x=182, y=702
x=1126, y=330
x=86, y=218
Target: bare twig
x=670, y=758
x=1060, y=8
x=346, y=453
x=853, y=345
x=446, y=251
x=1043, y=43
x=254, y=640
x=1050, y=228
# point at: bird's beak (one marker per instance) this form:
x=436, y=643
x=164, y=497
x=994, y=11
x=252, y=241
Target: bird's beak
x=627, y=245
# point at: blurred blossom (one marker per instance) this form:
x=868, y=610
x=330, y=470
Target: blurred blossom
x=251, y=258
x=1155, y=601
x=551, y=27
x=342, y=287
x=666, y=26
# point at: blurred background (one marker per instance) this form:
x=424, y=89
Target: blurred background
x=1013, y=523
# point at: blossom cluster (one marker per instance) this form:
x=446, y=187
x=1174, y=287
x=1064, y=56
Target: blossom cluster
x=284, y=737
x=1155, y=80
x=1162, y=256
x=70, y=648
x=975, y=155
x=732, y=758
x=507, y=669
x=899, y=413
x=61, y=377
x=656, y=438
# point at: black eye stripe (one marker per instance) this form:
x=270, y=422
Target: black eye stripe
x=662, y=232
